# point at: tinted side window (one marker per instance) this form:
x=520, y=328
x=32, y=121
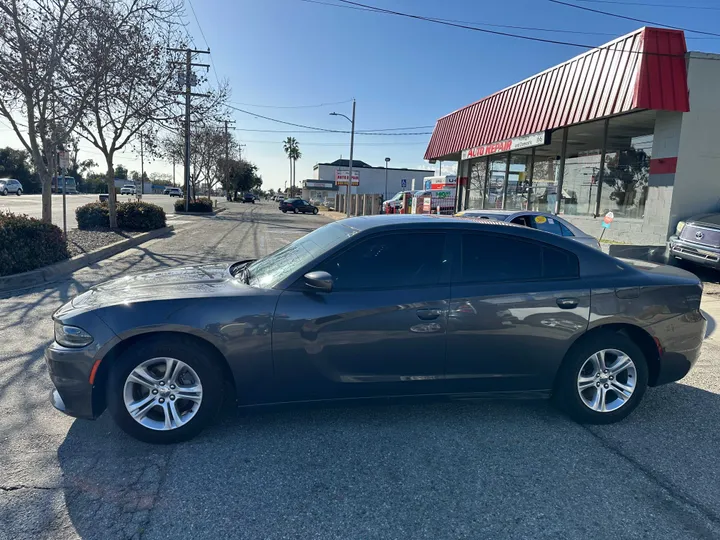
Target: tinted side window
x=493, y=258
x=389, y=261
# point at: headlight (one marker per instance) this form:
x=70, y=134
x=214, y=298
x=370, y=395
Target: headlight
x=71, y=336
x=679, y=228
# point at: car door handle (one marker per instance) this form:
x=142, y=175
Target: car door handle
x=428, y=314
x=567, y=303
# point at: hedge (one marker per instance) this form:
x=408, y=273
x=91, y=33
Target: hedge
x=27, y=243
x=131, y=216
x=194, y=205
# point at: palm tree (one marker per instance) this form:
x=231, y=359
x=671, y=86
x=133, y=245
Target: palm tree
x=297, y=154
x=290, y=145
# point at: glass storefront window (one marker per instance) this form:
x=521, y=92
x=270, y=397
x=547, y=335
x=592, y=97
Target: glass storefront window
x=518, y=187
x=544, y=185
x=582, y=169
x=627, y=169
x=496, y=181
x=476, y=189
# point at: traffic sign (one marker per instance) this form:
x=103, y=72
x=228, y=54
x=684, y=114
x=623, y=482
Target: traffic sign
x=607, y=220
x=64, y=159
x=403, y=183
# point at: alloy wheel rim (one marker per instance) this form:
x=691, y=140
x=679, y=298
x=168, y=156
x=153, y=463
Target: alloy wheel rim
x=607, y=380
x=162, y=393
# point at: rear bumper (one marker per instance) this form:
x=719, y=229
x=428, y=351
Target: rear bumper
x=696, y=253
x=681, y=340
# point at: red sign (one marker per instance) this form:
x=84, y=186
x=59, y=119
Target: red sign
x=494, y=148
x=609, y=217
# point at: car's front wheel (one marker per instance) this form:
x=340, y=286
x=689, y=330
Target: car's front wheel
x=295, y=211
x=162, y=391
x=19, y=192
x=5, y=192
x=602, y=379
x=315, y=211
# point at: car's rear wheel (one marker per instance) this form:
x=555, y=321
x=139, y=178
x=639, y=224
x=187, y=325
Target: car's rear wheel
x=295, y=211
x=284, y=211
x=163, y=391
x=602, y=379
x=5, y=192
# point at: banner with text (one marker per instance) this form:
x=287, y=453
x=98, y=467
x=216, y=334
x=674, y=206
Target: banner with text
x=341, y=178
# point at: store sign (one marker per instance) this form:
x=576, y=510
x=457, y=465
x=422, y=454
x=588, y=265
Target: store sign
x=319, y=185
x=341, y=178
x=526, y=141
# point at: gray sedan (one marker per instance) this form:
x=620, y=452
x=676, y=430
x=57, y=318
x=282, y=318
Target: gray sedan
x=542, y=221
x=10, y=185
x=373, y=307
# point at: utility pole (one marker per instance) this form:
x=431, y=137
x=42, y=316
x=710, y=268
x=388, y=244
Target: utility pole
x=227, y=156
x=174, y=172
x=189, y=80
x=352, y=144
x=142, y=169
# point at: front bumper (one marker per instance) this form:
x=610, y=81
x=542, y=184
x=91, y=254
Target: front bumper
x=70, y=373
x=696, y=253
x=681, y=340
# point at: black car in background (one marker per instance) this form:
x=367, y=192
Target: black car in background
x=248, y=197
x=297, y=206
x=697, y=240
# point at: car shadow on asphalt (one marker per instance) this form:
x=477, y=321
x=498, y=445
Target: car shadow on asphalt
x=421, y=470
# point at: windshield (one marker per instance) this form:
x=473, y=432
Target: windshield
x=271, y=270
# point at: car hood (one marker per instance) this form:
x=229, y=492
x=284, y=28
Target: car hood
x=175, y=283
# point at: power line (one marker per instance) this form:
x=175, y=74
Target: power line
x=293, y=106
x=207, y=45
x=649, y=4
x=339, y=144
x=533, y=28
x=616, y=15
x=317, y=129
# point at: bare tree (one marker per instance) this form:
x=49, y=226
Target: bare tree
x=207, y=155
x=127, y=41
x=42, y=78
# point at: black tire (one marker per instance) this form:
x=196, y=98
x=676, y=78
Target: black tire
x=284, y=211
x=206, y=368
x=5, y=192
x=315, y=211
x=295, y=211
x=566, y=394
x=19, y=192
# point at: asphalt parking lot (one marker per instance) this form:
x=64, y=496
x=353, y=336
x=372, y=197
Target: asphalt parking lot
x=470, y=469
x=32, y=205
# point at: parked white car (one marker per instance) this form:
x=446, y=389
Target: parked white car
x=10, y=185
x=128, y=189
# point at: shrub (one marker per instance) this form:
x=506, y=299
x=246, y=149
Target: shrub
x=140, y=216
x=93, y=216
x=194, y=205
x=27, y=243
x=131, y=216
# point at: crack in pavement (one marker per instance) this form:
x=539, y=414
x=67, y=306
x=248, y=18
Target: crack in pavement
x=671, y=490
x=23, y=486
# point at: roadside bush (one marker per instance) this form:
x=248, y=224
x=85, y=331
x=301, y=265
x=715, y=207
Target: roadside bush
x=194, y=205
x=27, y=243
x=132, y=216
x=140, y=216
x=92, y=216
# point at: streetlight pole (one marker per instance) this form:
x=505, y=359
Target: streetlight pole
x=387, y=160
x=352, y=144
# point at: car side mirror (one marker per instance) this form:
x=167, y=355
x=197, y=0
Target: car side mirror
x=319, y=281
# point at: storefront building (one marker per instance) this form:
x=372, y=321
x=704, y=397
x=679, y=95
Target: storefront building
x=630, y=128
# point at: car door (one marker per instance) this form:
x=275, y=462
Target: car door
x=382, y=329
x=516, y=306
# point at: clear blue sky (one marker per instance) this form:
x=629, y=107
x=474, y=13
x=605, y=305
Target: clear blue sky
x=403, y=72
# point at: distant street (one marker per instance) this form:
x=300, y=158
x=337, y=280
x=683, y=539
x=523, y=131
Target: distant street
x=482, y=469
x=32, y=205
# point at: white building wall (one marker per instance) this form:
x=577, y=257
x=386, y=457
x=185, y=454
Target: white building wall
x=697, y=179
x=372, y=181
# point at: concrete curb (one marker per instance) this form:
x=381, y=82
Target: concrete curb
x=209, y=214
x=62, y=269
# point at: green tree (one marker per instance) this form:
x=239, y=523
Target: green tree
x=16, y=164
x=121, y=173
